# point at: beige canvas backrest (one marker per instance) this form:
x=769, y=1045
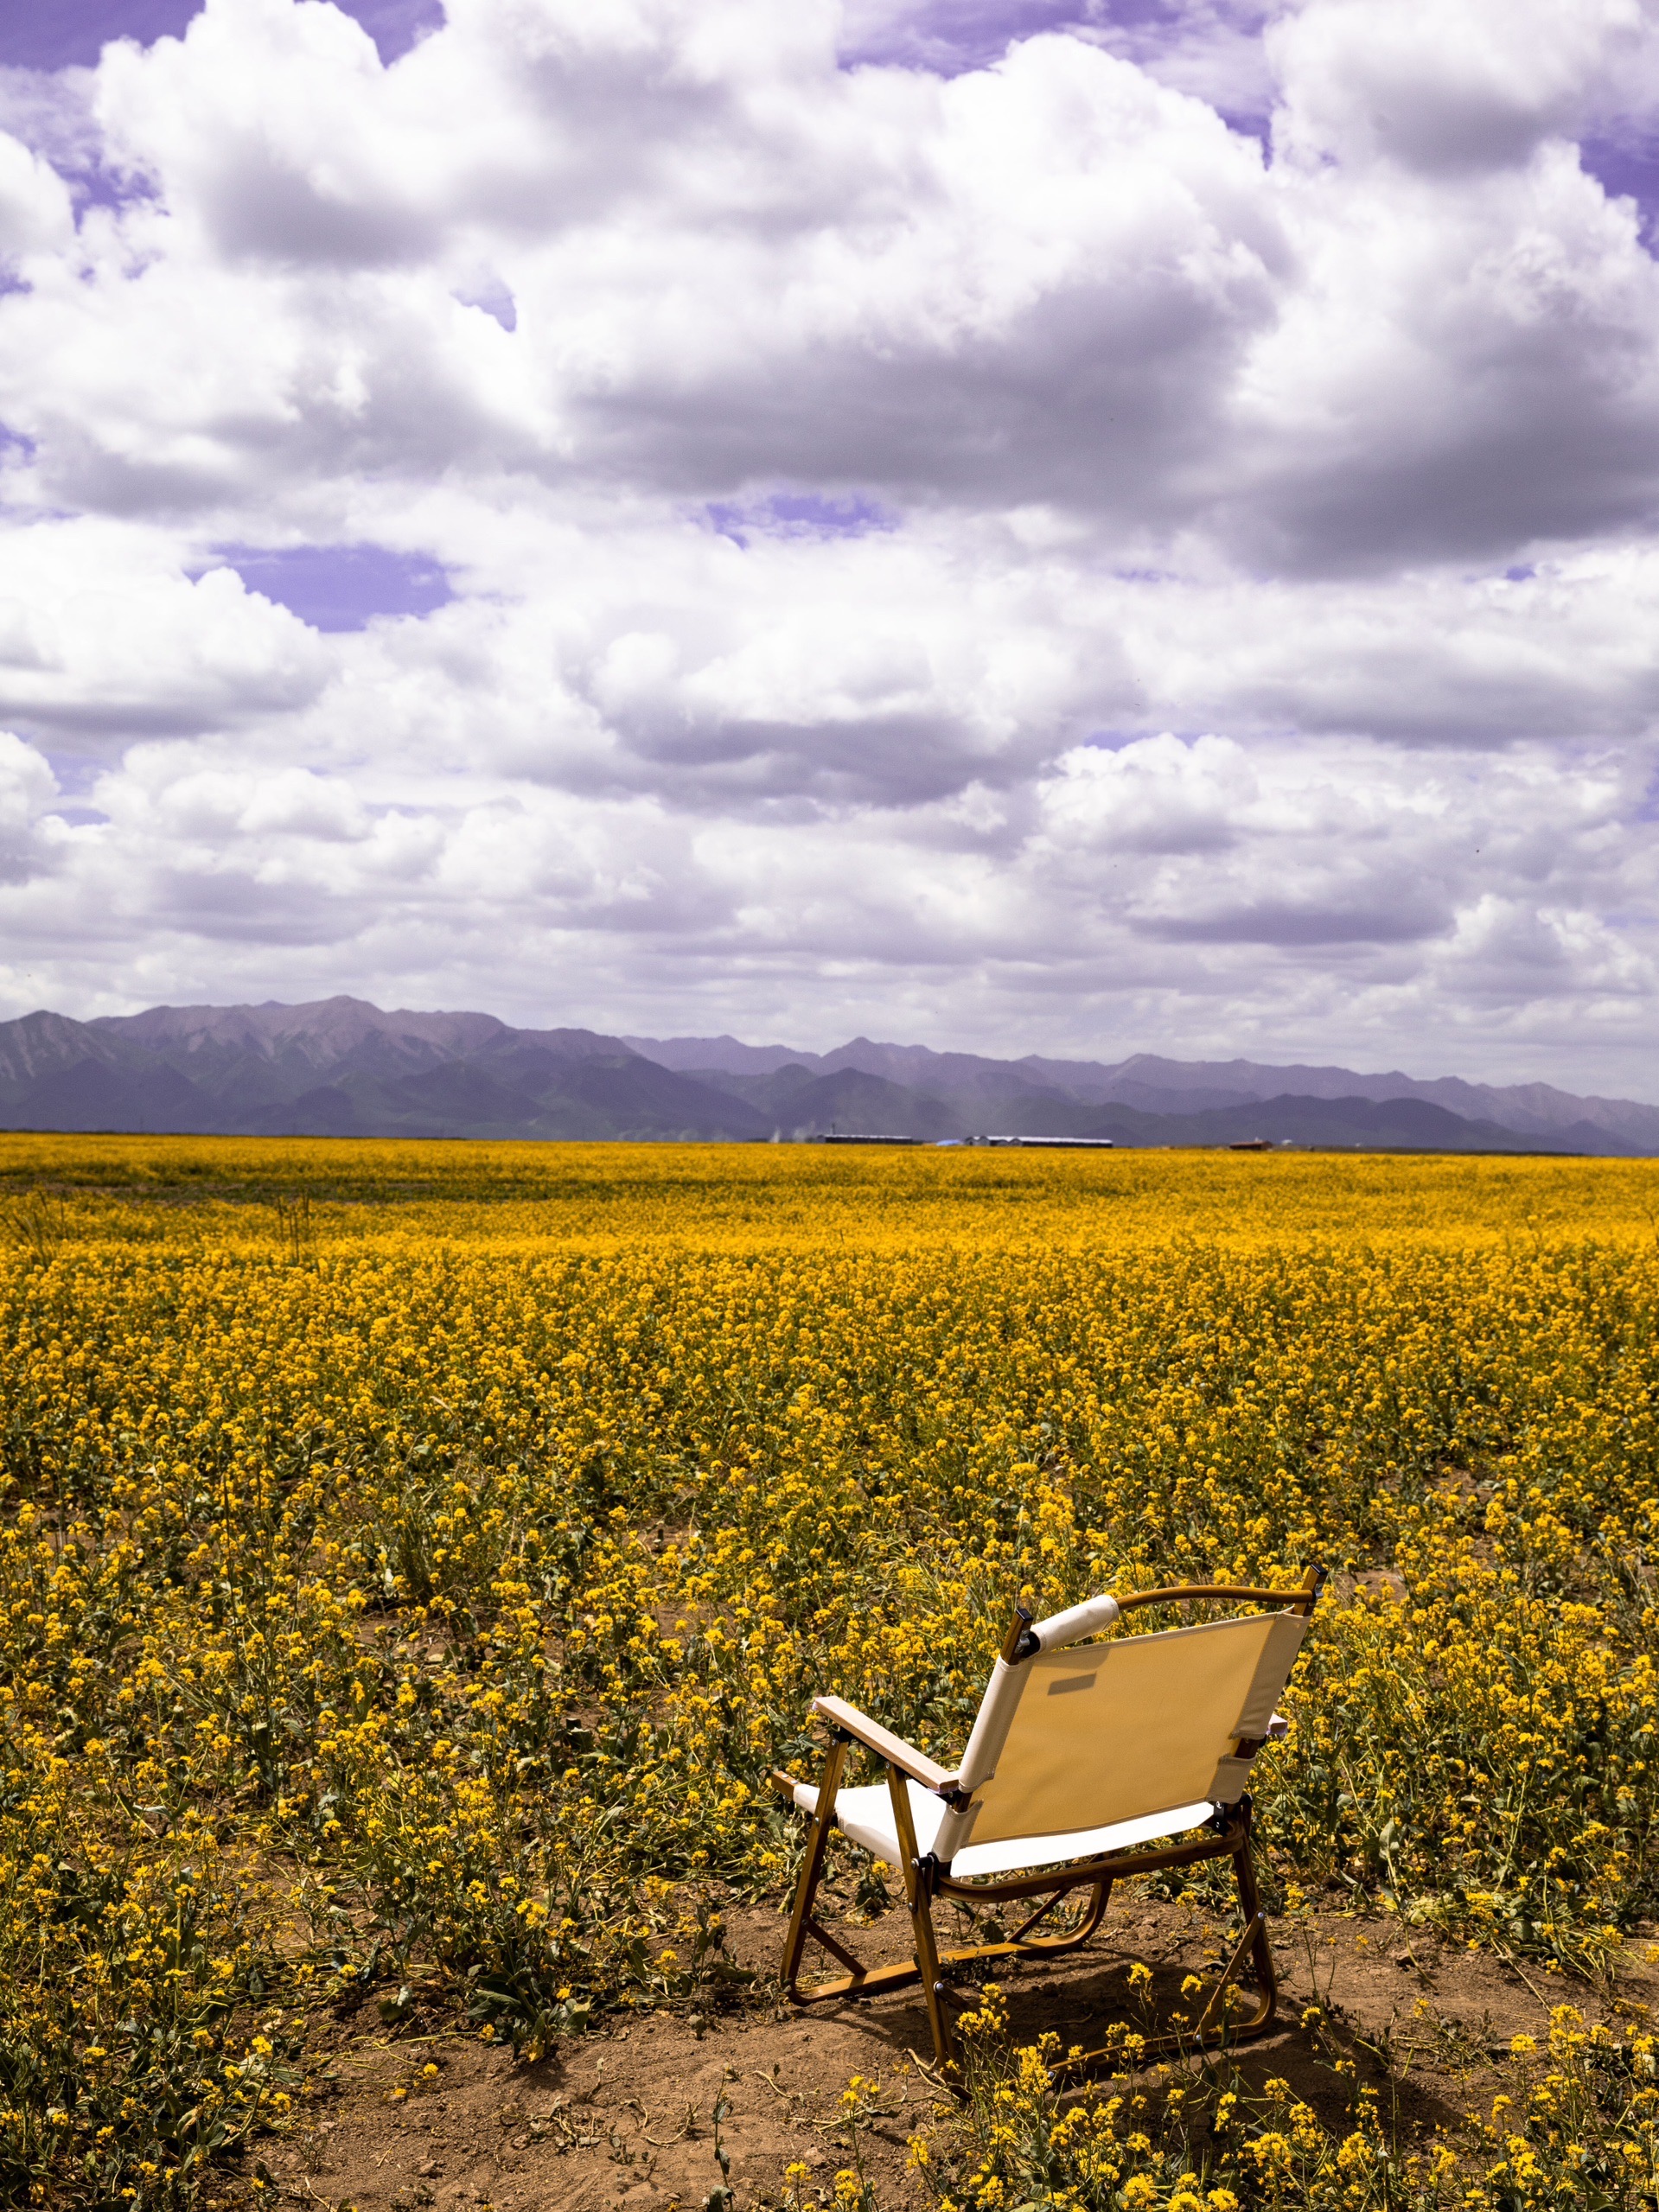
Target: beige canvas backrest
x=1108, y=1731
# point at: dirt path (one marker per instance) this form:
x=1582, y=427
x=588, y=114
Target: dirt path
x=625, y=2116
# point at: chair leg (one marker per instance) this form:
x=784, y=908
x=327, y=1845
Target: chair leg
x=919, y=1896
x=927, y=1958
x=812, y=1866
x=1261, y=1956
x=1253, y=1941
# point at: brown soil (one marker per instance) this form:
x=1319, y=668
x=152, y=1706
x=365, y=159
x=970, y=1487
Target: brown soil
x=624, y=2116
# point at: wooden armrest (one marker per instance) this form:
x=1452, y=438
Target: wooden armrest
x=885, y=1745
x=1300, y=1600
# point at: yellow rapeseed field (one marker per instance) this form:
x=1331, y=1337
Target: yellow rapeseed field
x=413, y=1556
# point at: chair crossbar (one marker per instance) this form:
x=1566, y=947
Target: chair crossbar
x=1040, y=1914
x=819, y=1934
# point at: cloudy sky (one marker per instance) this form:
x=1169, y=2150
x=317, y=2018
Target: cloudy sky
x=983, y=524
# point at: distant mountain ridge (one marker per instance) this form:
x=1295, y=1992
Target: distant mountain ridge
x=341, y=1067
x=1155, y=1085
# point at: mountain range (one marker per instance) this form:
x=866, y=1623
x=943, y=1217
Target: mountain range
x=341, y=1068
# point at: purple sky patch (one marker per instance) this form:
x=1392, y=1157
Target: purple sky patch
x=75, y=774
x=340, y=587
x=1629, y=170
x=97, y=187
x=949, y=36
x=799, y=514
x=34, y=35
x=57, y=33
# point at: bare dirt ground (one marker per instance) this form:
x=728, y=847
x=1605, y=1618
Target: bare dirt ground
x=625, y=2116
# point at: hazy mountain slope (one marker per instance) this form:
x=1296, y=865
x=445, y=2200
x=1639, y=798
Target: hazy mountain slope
x=795, y=1102
x=725, y=1054
x=325, y=1029
x=1166, y=1085
x=245, y=1058
x=1393, y=1123
x=88, y=1093
x=324, y=1112
x=853, y=1102
x=970, y=1084
x=41, y=1044
x=642, y=1099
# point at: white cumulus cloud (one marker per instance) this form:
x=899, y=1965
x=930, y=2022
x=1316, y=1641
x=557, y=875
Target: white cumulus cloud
x=992, y=524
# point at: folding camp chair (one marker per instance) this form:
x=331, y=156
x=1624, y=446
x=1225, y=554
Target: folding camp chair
x=1081, y=1754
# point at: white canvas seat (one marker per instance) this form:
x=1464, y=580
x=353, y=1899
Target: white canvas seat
x=1082, y=1754
x=866, y=1816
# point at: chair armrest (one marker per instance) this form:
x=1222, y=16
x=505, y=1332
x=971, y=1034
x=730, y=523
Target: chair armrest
x=885, y=1745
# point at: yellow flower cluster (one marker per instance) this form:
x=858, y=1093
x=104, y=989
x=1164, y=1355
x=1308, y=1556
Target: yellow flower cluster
x=412, y=1557
x=1583, y=2134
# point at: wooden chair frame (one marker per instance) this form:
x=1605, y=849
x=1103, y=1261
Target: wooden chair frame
x=925, y=1880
